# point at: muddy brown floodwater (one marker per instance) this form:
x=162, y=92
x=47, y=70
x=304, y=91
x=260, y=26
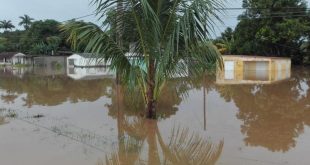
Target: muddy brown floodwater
x=52, y=119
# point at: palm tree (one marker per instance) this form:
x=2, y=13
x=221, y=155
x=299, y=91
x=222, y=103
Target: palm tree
x=225, y=45
x=6, y=25
x=25, y=21
x=166, y=36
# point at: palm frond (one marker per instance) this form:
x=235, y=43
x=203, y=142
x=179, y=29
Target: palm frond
x=186, y=148
x=172, y=34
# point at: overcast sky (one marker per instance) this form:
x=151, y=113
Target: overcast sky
x=62, y=10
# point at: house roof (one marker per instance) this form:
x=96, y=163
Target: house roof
x=7, y=54
x=19, y=55
x=253, y=58
x=10, y=55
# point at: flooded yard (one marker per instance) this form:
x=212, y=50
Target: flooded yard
x=90, y=120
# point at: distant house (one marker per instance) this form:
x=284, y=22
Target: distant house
x=84, y=60
x=253, y=70
x=90, y=73
x=14, y=58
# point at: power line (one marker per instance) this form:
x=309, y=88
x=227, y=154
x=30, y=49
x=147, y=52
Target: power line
x=264, y=17
x=251, y=8
x=81, y=17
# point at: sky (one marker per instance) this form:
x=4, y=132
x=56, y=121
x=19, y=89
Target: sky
x=62, y=10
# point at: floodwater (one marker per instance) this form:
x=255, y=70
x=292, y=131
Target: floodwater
x=50, y=119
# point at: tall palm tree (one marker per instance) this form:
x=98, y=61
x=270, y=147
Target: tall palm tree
x=25, y=21
x=6, y=25
x=166, y=35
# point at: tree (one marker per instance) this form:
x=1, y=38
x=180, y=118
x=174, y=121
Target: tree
x=3, y=42
x=225, y=46
x=228, y=34
x=226, y=43
x=6, y=25
x=25, y=21
x=273, y=28
x=41, y=32
x=164, y=34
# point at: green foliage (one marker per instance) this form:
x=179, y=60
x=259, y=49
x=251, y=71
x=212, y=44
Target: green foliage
x=38, y=33
x=11, y=41
x=39, y=37
x=6, y=25
x=226, y=43
x=165, y=35
x=26, y=21
x=3, y=42
x=273, y=28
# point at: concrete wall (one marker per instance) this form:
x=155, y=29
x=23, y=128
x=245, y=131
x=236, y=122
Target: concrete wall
x=242, y=69
x=50, y=65
x=80, y=61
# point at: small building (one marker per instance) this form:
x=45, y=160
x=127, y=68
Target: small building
x=78, y=73
x=253, y=70
x=86, y=60
x=14, y=58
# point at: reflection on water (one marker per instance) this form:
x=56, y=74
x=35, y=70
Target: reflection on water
x=246, y=117
x=184, y=148
x=135, y=132
x=274, y=115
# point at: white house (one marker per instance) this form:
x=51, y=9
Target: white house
x=78, y=73
x=13, y=58
x=86, y=60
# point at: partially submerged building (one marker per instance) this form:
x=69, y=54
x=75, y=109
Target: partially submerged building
x=78, y=73
x=253, y=70
x=84, y=60
x=14, y=58
x=50, y=65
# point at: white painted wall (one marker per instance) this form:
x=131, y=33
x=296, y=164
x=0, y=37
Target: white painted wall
x=82, y=73
x=80, y=61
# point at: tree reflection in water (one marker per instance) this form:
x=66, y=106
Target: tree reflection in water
x=52, y=90
x=140, y=140
x=273, y=115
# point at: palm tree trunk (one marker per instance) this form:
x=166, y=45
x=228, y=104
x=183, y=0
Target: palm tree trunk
x=119, y=34
x=151, y=102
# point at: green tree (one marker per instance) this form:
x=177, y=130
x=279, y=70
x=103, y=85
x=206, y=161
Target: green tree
x=166, y=34
x=38, y=33
x=6, y=25
x=228, y=34
x=273, y=28
x=54, y=43
x=226, y=43
x=3, y=42
x=25, y=21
